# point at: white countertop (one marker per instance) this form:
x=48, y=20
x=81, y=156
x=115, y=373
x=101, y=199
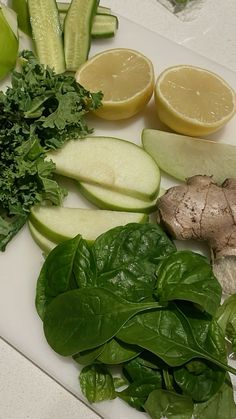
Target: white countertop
x=25, y=390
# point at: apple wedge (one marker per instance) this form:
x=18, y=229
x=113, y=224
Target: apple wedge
x=43, y=242
x=182, y=157
x=112, y=163
x=61, y=223
x=107, y=199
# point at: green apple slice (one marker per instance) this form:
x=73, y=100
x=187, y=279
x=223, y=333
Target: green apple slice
x=182, y=157
x=61, y=223
x=112, y=163
x=113, y=200
x=43, y=242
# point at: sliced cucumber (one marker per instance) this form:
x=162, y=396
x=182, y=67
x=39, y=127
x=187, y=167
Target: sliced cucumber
x=113, y=163
x=63, y=7
x=77, y=32
x=44, y=18
x=43, y=242
x=113, y=200
x=60, y=223
x=104, y=26
x=22, y=11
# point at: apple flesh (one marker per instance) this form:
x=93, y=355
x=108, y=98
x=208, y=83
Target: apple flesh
x=112, y=163
x=182, y=157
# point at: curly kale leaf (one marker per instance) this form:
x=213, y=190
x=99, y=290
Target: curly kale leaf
x=40, y=111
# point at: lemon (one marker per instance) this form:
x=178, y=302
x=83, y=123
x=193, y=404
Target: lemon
x=193, y=101
x=126, y=78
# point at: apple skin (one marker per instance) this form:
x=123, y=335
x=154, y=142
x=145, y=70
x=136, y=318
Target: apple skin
x=112, y=163
x=112, y=200
x=60, y=223
x=43, y=242
x=182, y=157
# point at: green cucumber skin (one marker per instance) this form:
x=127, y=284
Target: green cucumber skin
x=77, y=32
x=47, y=35
x=103, y=25
x=63, y=7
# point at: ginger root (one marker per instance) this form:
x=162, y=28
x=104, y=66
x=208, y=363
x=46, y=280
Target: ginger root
x=204, y=210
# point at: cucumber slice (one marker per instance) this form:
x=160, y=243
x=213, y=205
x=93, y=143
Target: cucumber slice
x=43, y=242
x=113, y=200
x=22, y=11
x=113, y=163
x=77, y=32
x=104, y=26
x=63, y=7
x=61, y=223
x=47, y=35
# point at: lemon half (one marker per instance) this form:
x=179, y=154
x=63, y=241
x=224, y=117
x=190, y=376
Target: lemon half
x=126, y=78
x=193, y=101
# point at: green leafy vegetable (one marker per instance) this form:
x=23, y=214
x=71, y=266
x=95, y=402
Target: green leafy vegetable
x=168, y=334
x=85, y=318
x=116, y=352
x=40, y=111
x=220, y=406
x=185, y=276
x=97, y=383
x=226, y=318
x=162, y=403
x=131, y=300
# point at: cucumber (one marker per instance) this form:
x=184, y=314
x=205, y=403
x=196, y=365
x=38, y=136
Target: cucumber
x=104, y=26
x=21, y=9
x=47, y=35
x=77, y=32
x=63, y=7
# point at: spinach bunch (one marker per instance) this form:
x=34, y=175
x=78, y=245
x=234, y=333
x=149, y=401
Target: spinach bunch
x=40, y=111
x=131, y=299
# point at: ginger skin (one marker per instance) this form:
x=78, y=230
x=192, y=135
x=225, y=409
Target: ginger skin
x=203, y=210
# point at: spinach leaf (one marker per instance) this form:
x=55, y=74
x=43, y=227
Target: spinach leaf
x=226, y=318
x=168, y=334
x=137, y=393
x=118, y=352
x=122, y=244
x=220, y=406
x=199, y=380
x=136, y=370
x=127, y=257
x=85, y=318
x=185, y=275
x=96, y=383
x=68, y=266
x=163, y=403
x=89, y=356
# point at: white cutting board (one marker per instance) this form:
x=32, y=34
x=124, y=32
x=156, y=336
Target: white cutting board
x=21, y=262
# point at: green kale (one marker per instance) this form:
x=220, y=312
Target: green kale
x=40, y=111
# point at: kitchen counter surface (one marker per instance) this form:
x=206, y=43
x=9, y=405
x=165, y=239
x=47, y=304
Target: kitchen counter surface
x=26, y=392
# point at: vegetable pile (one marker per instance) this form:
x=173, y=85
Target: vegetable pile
x=39, y=112
x=131, y=299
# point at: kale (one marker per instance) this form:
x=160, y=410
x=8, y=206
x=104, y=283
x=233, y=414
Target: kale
x=40, y=111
